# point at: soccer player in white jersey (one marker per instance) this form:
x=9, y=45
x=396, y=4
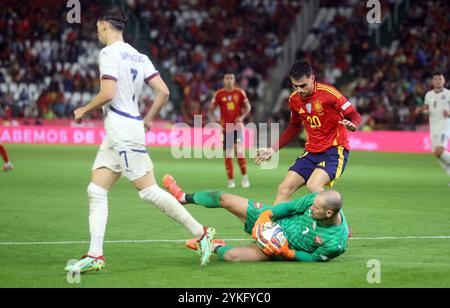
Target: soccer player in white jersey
x=437, y=105
x=123, y=72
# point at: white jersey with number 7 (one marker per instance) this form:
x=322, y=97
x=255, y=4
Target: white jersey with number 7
x=131, y=70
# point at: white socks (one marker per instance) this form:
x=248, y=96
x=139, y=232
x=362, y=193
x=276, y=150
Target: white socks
x=98, y=217
x=172, y=208
x=445, y=158
x=445, y=167
x=98, y=213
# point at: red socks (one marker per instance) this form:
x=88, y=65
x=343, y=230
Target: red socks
x=229, y=168
x=243, y=165
x=4, y=154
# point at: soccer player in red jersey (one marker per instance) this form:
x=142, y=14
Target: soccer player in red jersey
x=7, y=166
x=326, y=114
x=234, y=108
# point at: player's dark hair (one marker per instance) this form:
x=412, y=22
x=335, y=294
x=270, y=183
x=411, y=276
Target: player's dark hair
x=301, y=69
x=438, y=73
x=229, y=72
x=116, y=17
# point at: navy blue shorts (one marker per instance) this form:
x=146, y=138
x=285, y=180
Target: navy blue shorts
x=332, y=162
x=232, y=138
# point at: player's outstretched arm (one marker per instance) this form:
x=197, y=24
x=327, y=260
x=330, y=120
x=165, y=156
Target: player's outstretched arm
x=162, y=96
x=288, y=134
x=107, y=93
x=294, y=207
x=292, y=131
x=352, y=120
x=348, y=124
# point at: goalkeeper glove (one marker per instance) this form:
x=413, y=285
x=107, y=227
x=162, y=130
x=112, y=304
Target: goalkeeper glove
x=265, y=216
x=287, y=253
x=271, y=250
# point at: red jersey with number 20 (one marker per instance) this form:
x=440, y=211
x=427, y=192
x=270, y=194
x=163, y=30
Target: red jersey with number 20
x=320, y=113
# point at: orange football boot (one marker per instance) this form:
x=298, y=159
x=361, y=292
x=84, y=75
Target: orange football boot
x=171, y=185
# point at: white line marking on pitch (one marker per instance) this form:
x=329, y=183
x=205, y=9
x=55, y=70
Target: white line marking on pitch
x=386, y=238
x=437, y=237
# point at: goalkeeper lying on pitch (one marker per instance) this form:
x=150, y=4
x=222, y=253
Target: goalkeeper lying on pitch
x=314, y=226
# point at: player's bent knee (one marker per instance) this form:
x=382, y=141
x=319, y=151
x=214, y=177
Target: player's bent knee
x=93, y=190
x=314, y=187
x=439, y=151
x=150, y=194
x=98, y=196
x=285, y=190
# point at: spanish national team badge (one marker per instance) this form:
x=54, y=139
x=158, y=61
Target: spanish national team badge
x=318, y=108
x=309, y=107
x=318, y=240
x=258, y=205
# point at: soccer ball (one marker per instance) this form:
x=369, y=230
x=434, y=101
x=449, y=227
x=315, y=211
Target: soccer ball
x=273, y=233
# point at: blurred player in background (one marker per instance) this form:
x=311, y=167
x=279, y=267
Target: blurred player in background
x=437, y=105
x=123, y=72
x=326, y=114
x=234, y=108
x=7, y=165
x=315, y=225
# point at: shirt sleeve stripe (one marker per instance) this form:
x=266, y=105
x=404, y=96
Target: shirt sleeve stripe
x=331, y=89
x=331, y=92
x=346, y=105
x=108, y=77
x=323, y=86
x=151, y=77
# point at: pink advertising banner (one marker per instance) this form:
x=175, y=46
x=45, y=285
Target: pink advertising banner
x=391, y=141
x=378, y=141
x=164, y=137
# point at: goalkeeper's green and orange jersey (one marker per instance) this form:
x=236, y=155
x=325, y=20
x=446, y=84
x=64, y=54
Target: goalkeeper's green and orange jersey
x=305, y=234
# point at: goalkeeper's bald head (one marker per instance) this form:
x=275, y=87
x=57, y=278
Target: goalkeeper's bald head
x=330, y=200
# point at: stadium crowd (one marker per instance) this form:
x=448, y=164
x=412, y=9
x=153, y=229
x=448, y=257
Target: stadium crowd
x=390, y=82
x=198, y=41
x=49, y=67
x=46, y=65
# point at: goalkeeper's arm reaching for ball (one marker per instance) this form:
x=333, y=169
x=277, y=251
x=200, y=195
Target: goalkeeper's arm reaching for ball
x=284, y=251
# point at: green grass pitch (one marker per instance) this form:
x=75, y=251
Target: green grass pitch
x=401, y=196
